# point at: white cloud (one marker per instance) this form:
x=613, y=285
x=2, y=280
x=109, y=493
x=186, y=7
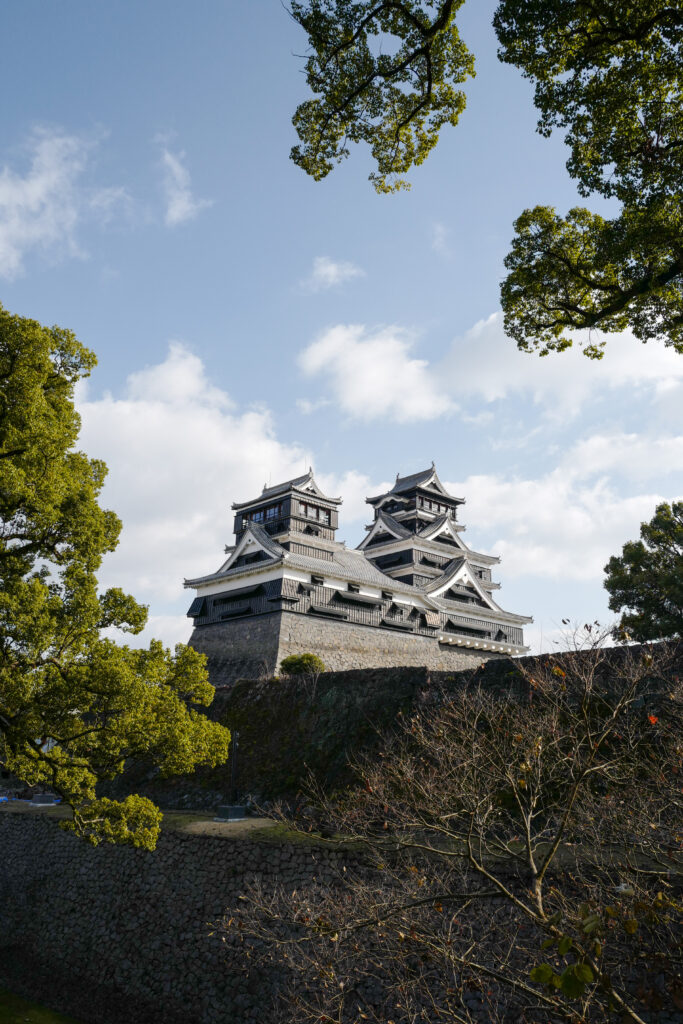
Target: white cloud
x=439, y=239
x=179, y=452
x=566, y=523
x=328, y=273
x=636, y=457
x=374, y=375
x=181, y=205
x=41, y=208
x=306, y=406
x=485, y=364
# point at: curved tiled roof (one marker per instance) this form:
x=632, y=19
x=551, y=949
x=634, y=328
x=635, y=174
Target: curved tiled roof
x=346, y=563
x=422, y=479
x=297, y=483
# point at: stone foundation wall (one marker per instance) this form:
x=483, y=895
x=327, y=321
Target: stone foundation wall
x=252, y=648
x=346, y=645
x=122, y=936
x=241, y=649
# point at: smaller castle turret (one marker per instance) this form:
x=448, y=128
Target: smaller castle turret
x=294, y=512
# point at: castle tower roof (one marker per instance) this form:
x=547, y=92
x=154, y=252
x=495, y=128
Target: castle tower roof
x=426, y=479
x=304, y=485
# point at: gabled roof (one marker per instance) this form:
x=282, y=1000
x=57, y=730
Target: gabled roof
x=443, y=524
x=305, y=484
x=384, y=523
x=427, y=478
x=457, y=567
x=253, y=539
x=348, y=564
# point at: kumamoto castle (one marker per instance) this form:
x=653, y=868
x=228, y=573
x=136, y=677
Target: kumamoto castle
x=412, y=593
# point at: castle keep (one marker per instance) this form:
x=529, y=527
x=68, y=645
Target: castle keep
x=412, y=593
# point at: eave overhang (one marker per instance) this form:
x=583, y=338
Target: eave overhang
x=471, y=643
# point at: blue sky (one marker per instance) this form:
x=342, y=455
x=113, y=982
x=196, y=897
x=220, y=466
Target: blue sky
x=249, y=321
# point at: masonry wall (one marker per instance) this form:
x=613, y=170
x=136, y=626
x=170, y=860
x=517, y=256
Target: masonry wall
x=289, y=727
x=251, y=648
x=242, y=649
x=123, y=936
x=345, y=645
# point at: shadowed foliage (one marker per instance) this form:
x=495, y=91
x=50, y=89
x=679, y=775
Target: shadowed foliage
x=74, y=705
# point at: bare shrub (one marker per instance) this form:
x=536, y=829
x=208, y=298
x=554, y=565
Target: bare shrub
x=522, y=852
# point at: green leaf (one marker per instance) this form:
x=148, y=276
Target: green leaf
x=398, y=103
x=571, y=984
x=100, y=702
x=583, y=972
x=564, y=945
x=542, y=974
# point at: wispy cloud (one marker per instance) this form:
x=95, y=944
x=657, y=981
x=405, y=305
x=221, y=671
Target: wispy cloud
x=181, y=204
x=327, y=273
x=308, y=406
x=485, y=365
x=42, y=207
x=439, y=239
x=565, y=523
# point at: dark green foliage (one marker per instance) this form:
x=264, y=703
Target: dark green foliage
x=647, y=579
x=611, y=76
x=397, y=99
x=75, y=706
x=302, y=665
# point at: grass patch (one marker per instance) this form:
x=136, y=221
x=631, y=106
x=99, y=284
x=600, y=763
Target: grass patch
x=15, y=1010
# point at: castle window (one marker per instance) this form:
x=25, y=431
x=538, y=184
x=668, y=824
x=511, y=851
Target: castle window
x=257, y=517
x=272, y=512
x=313, y=512
x=387, y=595
x=354, y=588
x=318, y=580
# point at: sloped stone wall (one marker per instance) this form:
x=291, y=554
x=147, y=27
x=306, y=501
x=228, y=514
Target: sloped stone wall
x=122, y=936
x=241, y=649
x=349, y=645
x=252, y=648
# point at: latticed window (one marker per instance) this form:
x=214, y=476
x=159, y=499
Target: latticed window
x=322, y=515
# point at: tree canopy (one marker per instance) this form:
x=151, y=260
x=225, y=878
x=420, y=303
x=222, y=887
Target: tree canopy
x=75, y=705
x=609, y=75
x=647, y=578
x=395, y=101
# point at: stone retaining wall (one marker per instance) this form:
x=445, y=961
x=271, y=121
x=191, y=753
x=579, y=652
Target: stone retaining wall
x=122, y=936
x=254, y=647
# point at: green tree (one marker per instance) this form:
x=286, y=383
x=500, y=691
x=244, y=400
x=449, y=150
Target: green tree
x=610, y=75
x=395, y=101
x=74, y=705
x=647, y=579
